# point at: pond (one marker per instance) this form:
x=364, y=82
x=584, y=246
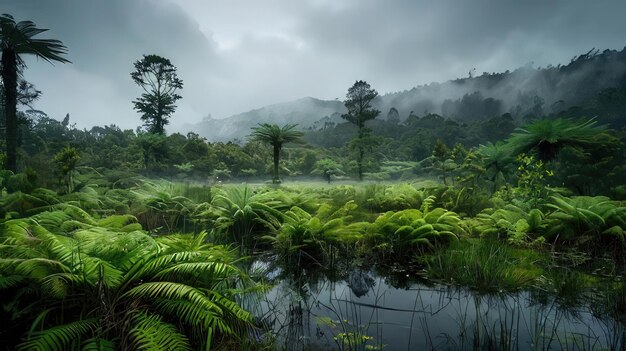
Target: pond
x=366, y=311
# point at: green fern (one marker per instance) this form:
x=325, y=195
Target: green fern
x=241, y=213
x=151, y=333
x=119, y=278
x=584, y=218
x=512, y=223
x=411, y=232
x=62, y=337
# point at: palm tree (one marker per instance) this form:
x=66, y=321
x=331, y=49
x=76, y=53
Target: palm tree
x=276, y=136
x=549, y=136
x=17, y=39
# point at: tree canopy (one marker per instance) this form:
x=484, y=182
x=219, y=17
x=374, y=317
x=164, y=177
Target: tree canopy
x=358, y=102
x=157, y=77
x=276, y=136
x=16, y=39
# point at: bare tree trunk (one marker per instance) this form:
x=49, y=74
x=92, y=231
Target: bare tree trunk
x=276, y=178
x=359, y=163
x=9, y=79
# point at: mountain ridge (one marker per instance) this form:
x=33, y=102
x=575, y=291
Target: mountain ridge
x=523, y=91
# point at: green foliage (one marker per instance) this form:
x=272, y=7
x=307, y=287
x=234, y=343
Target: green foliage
x=485, y=266
x=358, y=103
x=463, y=200
x=327, y=168
x=511, y=223
x=19, y=204
x=586, y=220
x=276, y=136
x=240, y=213
x=593, y=170
x=548, y=136
x=409, y=233
x=23, y=182
x=17, y=39
x=300, y=240
x=66, y=161
x=160, y=210
x=531, y=179
x=496, y=160
x=154, y=149
x=382, y=198
x=117, y=286
x=157, y=77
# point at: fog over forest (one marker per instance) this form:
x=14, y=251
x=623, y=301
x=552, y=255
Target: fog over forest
x=310, y=175
x=242, y=55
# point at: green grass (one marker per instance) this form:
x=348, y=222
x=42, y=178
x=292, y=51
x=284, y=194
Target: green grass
x=486, y=266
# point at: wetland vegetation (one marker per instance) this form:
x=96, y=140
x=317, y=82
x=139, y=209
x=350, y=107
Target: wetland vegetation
x=500, y=233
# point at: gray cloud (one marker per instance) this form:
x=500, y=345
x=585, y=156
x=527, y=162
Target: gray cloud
x=235, y=55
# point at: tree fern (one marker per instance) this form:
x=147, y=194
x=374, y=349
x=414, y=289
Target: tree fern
x=549, y=136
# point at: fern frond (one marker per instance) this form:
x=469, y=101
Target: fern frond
x=98, y=344
x=151, y=333
x=60, y=337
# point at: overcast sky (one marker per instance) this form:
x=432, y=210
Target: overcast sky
x=236, y=55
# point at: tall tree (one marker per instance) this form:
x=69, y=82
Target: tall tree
x=157, y=77
x=16, y=39
x=66, y=161
x=358, y=102
x=276, y=136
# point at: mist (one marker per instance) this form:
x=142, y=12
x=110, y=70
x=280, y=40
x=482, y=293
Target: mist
x=239, y=56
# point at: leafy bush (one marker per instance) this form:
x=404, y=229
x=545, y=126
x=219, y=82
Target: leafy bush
x=300, y=240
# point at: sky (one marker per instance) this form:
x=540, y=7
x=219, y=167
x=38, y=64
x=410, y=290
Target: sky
x=237, y=55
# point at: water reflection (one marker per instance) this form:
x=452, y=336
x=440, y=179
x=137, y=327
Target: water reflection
x=360, y=310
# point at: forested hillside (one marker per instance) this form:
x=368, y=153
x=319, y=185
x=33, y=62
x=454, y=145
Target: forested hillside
x=525, y=92
x=484, y=213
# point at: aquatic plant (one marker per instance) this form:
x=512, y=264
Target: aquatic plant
x=485, y=266
x=299, y=240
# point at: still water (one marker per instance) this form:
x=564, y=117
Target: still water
x=363, y=311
